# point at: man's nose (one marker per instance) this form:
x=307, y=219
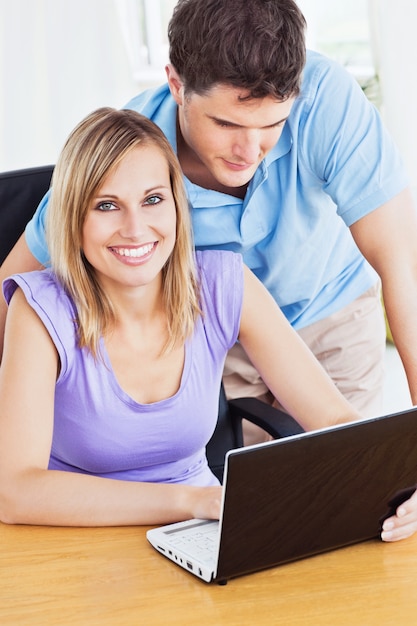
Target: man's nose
x=248, y=146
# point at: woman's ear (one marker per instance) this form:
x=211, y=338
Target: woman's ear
x=175, y=84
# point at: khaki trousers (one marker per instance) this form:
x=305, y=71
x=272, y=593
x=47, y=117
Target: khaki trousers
x=350, y=345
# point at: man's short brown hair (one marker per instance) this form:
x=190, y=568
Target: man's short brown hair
x=257, y=45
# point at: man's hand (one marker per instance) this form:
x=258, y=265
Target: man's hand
x=404, y=523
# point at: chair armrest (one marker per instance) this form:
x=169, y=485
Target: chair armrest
x=277, y=423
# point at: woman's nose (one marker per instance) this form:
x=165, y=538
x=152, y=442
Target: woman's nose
x=132, y=224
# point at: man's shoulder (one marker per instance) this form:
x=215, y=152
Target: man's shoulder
x=149, y=101
x=319, y=69
x=318, y=62
x=159, y=106
x=324, y=83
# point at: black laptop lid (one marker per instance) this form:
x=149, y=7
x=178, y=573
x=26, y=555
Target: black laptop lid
x=310, y=493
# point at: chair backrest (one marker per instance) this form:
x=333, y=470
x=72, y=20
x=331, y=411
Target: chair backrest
x=20, y=194
x=227, y=435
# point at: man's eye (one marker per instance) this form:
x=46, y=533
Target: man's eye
x=153, y=200
x=106, y=206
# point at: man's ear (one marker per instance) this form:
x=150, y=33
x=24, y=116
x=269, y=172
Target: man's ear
x=175, y=84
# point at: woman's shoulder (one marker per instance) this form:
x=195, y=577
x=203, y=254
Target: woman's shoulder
x=217, y=271
x=221, y=283
x=39, y=285
x=47, y=297
x=217, y=262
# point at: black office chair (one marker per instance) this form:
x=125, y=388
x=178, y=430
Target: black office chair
x=229, y=434
x=20, y=194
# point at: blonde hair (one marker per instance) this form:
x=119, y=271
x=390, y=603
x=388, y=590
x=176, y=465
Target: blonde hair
x=94, y=148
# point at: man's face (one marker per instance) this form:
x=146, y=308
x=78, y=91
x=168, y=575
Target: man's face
x=226, y=136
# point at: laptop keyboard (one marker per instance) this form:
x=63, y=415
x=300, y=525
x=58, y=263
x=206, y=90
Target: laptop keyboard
x=200, y=542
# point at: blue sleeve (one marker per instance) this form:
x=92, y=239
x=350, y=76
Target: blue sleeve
x=347, y=145
x=35, y=232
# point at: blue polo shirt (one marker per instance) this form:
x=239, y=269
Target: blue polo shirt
x=333, y=164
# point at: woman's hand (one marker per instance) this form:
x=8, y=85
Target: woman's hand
x=205, y=502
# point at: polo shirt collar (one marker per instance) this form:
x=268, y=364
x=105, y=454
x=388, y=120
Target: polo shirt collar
x=281, y=148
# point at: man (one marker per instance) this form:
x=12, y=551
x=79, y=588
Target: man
x=287, y=162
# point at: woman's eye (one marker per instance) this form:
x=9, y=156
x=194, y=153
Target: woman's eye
x=106, y=206
x=153, y=200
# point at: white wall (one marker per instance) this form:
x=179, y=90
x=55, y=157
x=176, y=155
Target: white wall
x=59, y=60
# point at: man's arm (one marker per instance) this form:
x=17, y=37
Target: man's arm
x=387, y=238
x=19, y=259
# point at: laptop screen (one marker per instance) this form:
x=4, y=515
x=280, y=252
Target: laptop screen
x=299, y=496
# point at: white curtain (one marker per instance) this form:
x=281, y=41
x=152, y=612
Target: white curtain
x=59, y=60
x=395, y=48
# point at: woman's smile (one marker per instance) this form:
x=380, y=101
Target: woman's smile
x=134, y=254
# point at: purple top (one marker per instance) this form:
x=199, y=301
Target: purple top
x=98, y=428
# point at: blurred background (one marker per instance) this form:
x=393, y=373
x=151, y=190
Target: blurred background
x=60, y=59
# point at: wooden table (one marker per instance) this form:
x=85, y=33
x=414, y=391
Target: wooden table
x=102, y=576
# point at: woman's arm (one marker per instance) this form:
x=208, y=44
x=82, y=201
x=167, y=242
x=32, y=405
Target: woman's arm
x=32, y=494
x=287, y=366
x=19, y=259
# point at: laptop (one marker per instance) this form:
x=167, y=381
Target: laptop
x=299, y=496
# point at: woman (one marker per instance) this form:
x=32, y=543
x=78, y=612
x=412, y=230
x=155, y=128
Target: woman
x=113, y=357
